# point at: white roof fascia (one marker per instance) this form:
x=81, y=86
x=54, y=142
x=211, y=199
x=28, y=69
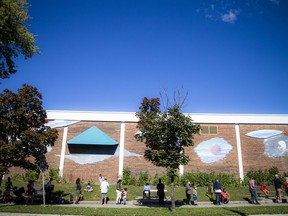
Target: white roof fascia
x=200, y=118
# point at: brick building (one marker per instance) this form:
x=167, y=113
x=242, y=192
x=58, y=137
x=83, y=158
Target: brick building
x=91, y=143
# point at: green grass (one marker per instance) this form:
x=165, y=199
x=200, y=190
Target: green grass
x=145, y=211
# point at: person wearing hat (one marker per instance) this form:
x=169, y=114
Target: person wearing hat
x=188, y=193
x=195, y=196
x=278, y=188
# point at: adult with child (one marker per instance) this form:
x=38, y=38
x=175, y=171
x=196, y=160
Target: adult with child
x=104, y=190
x=278, y=188
x=217, y=190
x=161, y=193
x=146, y=191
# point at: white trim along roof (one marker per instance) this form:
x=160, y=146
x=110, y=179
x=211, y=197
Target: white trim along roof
x=196, y=117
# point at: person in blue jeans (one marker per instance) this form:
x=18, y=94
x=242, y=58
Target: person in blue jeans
x=217, y=190
x=254, y=199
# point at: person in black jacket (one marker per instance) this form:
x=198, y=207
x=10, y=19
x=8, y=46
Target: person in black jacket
x=278, y=188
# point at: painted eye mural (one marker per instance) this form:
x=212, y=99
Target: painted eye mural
x=213, y=150
x=275, y=142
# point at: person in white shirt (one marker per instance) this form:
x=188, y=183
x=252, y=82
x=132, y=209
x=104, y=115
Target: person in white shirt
x=146, y=191
x=104, y=190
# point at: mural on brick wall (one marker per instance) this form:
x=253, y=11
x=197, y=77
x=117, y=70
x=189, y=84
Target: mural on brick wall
x=213, y=150
x=89, y=154
x=275, y=142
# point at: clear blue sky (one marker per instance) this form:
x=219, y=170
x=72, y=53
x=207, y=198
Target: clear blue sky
x=106, y=55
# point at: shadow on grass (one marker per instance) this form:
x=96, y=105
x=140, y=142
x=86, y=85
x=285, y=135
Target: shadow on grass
x=235, y=211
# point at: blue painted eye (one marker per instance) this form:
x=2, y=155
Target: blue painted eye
x=213, y=150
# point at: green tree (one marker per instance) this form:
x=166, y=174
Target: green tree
x=15, y=39
x=23, y=135
x=166, y=134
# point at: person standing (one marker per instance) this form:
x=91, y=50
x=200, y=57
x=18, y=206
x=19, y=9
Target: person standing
x=161, y=193
x=188, y=193
x=30, y=192
x=217, y=190
x=118, y=191
x=278, y=188
x=78, y=190
x=285, y=185
x=104, y=190
x=8, y=188
x=252, y=184
x=124, y=196
x=195, y=196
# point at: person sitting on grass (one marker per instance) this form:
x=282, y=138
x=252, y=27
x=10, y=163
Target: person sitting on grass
x=225, y=196
x=146, y=191
x=88, y=188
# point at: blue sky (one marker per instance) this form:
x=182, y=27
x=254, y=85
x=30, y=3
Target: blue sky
x=106, y=55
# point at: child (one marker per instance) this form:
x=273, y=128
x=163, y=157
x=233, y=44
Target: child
x=264, y=188
x=195, y=197
x=124, y=195
x=225, y=196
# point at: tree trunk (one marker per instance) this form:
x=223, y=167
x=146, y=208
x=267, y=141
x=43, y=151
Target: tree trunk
x=173, y=198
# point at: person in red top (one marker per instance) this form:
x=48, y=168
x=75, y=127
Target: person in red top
x=265, y=190
x=225, y=196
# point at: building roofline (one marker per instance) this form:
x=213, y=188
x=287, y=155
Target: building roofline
x=200, y=118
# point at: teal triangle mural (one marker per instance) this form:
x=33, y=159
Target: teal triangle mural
x=93, y=136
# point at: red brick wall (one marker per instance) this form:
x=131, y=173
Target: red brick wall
x=252, y=152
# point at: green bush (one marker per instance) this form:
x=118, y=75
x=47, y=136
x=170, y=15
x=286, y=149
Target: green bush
x=143, y=178
x=53, y=173
x=31, y=175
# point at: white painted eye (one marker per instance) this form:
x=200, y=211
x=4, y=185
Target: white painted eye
x=213, y=150
x=263, y=134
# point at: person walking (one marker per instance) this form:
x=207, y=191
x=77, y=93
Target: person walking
x=217, y=190
x=161, y=193
x=278, y=188
x=104, y=190
x=188, y=193
x=252, y=184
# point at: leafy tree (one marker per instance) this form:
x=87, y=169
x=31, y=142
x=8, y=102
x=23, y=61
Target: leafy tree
x=15, y=39
x=23, y=135
x=166, y=134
